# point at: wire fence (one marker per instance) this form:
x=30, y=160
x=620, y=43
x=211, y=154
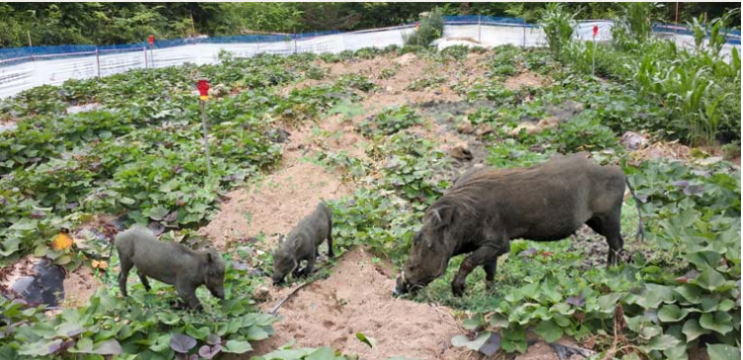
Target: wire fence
x=24, y=68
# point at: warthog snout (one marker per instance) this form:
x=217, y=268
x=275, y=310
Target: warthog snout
x=402, y=286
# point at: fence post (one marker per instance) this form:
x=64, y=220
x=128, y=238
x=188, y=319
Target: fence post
x=98, y=62
x=524, y=39
x=30, y=46
x=152, y=57
x=144, y=50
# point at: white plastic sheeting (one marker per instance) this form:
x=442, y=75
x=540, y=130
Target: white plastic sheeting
x=18, y=77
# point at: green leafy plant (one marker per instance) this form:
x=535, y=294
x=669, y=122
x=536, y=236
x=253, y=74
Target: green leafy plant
x=358, y=82
x=390, y=121
x=388, y=73
x=429, y=29
x=426, y=83
x=142, y=325
x=457, y=52
x=558, y=27
x=315, y=73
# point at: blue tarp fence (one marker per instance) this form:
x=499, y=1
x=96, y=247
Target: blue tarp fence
x=29, y=53
x=64, y=50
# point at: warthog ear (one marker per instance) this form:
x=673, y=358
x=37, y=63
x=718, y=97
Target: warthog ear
x=442, y=217
x=212, y=256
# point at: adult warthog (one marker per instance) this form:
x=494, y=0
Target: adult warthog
x=486, y=208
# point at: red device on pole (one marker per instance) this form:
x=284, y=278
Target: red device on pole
x=203, y=86
x=151, y=40
x=595, y=30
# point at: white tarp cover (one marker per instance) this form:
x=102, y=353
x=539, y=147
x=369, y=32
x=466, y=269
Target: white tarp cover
x=17, y=77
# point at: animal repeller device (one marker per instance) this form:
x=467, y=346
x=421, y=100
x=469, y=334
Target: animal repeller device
x=203, y=86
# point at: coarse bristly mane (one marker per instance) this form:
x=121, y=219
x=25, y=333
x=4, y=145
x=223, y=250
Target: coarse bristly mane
x=463, y=196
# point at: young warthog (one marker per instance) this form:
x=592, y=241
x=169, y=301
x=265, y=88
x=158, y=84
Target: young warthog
x=302, y=244
x=170, y=263
x=486, y=208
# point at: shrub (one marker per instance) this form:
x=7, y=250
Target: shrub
x=429, y=29
x=315, y=73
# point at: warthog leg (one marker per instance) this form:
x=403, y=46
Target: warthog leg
x=126, y=266
x=484, y=256
x=610, y=227
x=144, y=281
x=490, y=273
x=188, y=292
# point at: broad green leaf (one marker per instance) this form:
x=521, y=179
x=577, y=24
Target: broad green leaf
x=237, y=347
x=256, y=333
x=723, y=352
x=720, y=322
x=161, y=344
x=499, y=321
x=692, y=330
x=108, y=347
x=168, y=318
x=662, y=343
x=514, y=340
x=8, y=353
x=199, y=333
x=323, y=353
x=38, y=348
x=677, y=352
x=709, y=279
x=473, y=322
x=549, y=331
x=25, y=224
x=475, y=344
x=655, y=295
x=607, y=303
x=83, y=345
x=690, y=293
x=157, y=213
x=671, y=313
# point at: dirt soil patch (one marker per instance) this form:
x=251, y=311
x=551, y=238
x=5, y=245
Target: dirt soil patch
x=275, y=206
x=525, y=78
x=79, y=287
x=661, y=149
x=357, y=297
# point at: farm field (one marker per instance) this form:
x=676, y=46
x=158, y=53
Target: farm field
x=379, y=135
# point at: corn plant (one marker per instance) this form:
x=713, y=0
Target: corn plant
x=558, y=26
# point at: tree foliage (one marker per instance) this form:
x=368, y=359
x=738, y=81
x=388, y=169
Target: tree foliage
x=56, y=23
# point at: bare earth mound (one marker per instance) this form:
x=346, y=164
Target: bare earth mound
x=280, y=199
x=276, y=205
x=357, y=297
x=524, y=79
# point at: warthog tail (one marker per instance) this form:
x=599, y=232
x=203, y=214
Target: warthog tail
x=640, y=232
